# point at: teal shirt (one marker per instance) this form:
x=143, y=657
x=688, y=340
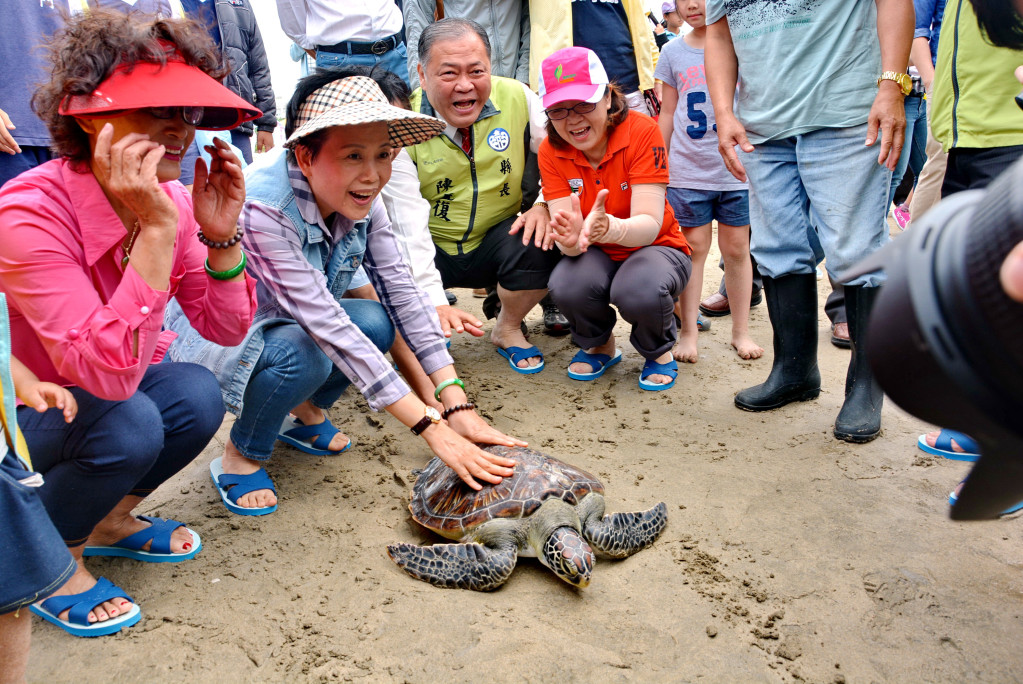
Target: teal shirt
x=803, y=64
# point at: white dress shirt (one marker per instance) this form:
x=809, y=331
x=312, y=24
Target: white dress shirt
x=410, y=216
x=327, y=22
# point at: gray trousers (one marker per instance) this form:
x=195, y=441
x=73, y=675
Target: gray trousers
x=643, y=288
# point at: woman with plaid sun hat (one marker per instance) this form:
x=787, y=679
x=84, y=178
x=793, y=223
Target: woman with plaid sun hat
x=312, y=216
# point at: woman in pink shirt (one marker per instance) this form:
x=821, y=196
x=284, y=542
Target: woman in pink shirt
x=95, y=243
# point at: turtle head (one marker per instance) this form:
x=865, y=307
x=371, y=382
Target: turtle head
x=568, y=555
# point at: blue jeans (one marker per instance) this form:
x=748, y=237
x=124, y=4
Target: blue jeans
x=116, y=448
x=914, y=152
x=31, y=156
x=293, y=369
x=826, y=181
x=395, y=60
x=34, y=562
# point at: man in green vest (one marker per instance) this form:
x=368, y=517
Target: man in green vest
x=479, y=176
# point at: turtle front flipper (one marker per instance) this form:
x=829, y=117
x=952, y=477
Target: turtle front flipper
x=457, y=566
x=621, y=534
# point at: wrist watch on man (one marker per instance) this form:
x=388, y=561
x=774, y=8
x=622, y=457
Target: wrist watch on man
x=431, y=416
x=905, y=81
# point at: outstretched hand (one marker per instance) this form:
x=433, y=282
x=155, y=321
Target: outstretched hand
x=468, y=461
x=452, y=319
x=219, y=193
x=567, y=226
x=596, y=224
x=535, y=224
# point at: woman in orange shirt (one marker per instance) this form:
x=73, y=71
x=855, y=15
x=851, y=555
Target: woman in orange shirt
x=605, y=173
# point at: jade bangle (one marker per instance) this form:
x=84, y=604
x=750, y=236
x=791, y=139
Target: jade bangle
x=445, y=384
x=226, y=275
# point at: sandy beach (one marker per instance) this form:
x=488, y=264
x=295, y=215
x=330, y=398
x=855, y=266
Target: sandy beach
x=788, y=555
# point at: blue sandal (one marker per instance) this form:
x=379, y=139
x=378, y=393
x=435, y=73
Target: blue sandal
x=653, y=368
x=77, y=622
x=598, y=362
x=303, y=437
x=233, y=487
x=943, y=446
x=953, y=498
x=516, y=354
x=159, y=533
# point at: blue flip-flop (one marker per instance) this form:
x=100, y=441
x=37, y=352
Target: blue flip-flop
x=598, y=362
x=516, y=354
x=952, y=499
x=159, y=532
x=943, y=446
x=233, y=487
x=77, y=622
x=653, y=368
x=303, y=437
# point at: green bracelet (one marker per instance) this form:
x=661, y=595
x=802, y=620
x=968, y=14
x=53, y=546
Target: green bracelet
x=447, y=383
x=226, y=275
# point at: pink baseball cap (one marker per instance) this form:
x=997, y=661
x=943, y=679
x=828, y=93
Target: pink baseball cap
x=572, y=73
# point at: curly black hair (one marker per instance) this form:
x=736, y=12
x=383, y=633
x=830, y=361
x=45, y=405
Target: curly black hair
x=88, y=49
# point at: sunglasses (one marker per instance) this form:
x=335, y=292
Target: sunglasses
x=559, y=113
x=190, y=115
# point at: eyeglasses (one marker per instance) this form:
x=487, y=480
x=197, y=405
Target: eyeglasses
x=190, y=115
x=559, y=113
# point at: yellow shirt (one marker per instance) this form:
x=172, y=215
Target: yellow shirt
x=550, y=29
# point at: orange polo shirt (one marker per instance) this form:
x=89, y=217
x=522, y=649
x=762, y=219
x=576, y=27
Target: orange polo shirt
x=635, y=155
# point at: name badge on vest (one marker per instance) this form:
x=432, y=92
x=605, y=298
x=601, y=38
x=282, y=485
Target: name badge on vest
x=498, y=139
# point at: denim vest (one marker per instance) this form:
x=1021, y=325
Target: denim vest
x=267, y=183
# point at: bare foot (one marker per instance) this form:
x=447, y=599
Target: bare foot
x=746, y=348
x=310, y=414
x=116, y=527
x=504, y=335
x=606, y=348
x=658, y=378
x=932, y=438
x=234, y=463
x=83, y=581
x=685, y=349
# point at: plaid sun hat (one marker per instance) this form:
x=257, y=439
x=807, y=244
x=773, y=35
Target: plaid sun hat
x=359, y=100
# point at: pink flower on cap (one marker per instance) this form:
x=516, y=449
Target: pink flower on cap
x=572, y=73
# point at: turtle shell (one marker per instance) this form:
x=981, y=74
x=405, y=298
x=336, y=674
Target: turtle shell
x=443, y=503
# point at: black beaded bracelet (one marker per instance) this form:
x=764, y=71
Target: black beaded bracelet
x=239, y=233
x=467, y=406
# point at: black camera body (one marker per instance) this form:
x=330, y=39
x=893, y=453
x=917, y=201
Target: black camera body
x=946, y=342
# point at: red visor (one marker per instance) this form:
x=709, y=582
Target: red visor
x=174, y=84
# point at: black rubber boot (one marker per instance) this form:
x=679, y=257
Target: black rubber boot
x=792, y=306
x=860, y=418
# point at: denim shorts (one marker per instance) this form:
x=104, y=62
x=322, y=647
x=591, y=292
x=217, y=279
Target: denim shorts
x=34, y=562
x=695, y=208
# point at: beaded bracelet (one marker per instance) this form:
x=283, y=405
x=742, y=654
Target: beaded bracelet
x=226, y=275
x=467, y=406
x=238, y=234
x=445, y=384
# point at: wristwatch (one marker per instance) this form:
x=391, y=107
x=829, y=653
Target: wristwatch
x=431, y=416
x=905, y=81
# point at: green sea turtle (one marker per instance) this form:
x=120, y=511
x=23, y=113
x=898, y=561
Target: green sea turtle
x=547, y=509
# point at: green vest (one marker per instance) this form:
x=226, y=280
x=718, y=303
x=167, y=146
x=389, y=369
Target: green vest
x=972, y=104
x=469, y=196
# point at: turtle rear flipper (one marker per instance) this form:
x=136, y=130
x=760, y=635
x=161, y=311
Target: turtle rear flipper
x=456, y=566
x=620, y=534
